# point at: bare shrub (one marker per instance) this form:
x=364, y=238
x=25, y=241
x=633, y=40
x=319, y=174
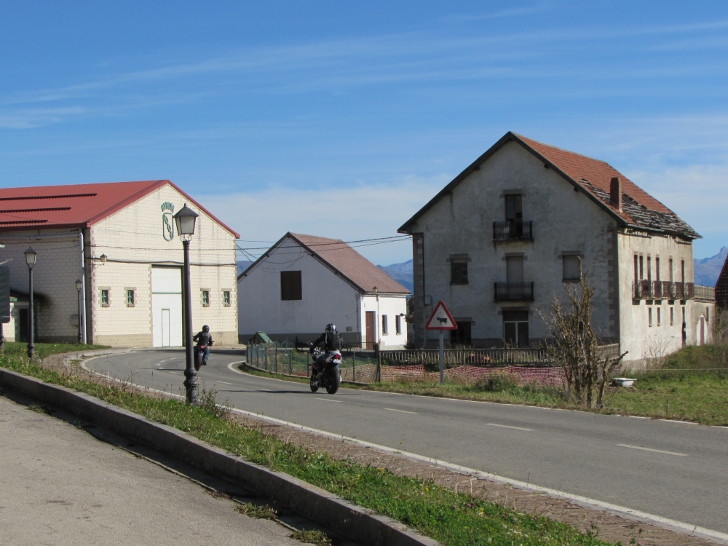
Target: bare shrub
x=575, y=345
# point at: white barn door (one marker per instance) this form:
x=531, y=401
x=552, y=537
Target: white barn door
x=166, y=307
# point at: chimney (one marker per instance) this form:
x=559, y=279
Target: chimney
x=615, y=193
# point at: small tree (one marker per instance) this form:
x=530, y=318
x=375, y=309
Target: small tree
x=720, y=334
x=575, y=345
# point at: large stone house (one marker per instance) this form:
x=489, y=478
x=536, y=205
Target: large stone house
x=109, y=264
x=499, y=242
x=304, y=282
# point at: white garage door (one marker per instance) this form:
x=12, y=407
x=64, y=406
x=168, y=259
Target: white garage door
x=167, y=306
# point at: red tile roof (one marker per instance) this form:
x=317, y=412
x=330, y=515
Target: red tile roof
x=347, y=263
x=74, y=206
x=639, y=209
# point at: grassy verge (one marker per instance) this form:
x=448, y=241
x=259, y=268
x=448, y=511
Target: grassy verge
x=449, y=517
x=692, y=385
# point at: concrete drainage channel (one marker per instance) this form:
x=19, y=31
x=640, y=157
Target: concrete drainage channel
x=311, y=502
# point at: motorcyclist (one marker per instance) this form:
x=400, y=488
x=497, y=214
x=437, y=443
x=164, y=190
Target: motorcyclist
x=203, y=337
x=329, y=341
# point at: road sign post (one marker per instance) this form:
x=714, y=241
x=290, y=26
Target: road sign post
x=441, y=320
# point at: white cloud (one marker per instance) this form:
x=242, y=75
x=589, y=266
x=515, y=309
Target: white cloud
x=699, y=195
x=356, y=214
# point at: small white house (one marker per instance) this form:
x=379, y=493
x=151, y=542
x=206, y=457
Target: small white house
x=304, y=282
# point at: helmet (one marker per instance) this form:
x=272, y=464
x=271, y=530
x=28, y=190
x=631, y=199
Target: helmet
x=205, y=328
x=331, y=328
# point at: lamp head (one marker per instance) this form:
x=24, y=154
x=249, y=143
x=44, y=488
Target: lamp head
x=185, y=221
x=30, y=257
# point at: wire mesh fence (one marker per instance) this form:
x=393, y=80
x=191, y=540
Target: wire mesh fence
x=279, y=357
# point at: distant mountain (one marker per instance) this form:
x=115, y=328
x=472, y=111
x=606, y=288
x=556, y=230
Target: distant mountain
x=708, y=269
x=402, y=273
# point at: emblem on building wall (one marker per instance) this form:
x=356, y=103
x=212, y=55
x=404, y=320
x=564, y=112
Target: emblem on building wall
x=167, y=221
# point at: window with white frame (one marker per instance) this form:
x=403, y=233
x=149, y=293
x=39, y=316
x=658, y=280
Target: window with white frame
x=205, y=297
x=105, y=297
x=226, y=298
x=130, y=297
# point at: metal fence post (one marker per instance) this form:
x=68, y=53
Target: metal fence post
x=378, y=372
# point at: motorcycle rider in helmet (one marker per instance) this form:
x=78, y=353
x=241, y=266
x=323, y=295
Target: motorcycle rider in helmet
x=204, y=338
x=329, y=341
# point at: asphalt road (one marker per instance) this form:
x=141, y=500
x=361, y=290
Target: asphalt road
x=673, y=470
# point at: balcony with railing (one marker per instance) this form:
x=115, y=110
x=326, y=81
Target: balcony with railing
x=662, y=290
x=512, y=230
x=513, y=291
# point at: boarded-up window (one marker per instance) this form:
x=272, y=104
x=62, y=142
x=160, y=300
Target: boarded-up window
x=572, y=267
x=291, y=285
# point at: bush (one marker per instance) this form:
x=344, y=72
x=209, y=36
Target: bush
x=497, y=382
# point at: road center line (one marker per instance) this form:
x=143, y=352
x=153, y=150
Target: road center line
x=654, y=450
x=508, y=426
x=400, y=411
x=329, y=400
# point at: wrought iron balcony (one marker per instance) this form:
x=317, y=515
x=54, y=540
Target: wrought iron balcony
x=661, y=290
x=512, y=230
x=513, y=291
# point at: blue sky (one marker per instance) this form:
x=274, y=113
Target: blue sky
x=341, y=119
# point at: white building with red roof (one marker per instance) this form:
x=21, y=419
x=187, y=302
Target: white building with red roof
x=118, y=239
x=303, y=282
x=499, y=242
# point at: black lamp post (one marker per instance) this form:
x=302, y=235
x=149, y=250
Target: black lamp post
x=185, y=221
x=30, y=258
x=79, y=285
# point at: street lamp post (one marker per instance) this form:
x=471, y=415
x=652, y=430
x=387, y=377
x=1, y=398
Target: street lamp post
x=185, y=221
x=79, y=285
x=30, y=258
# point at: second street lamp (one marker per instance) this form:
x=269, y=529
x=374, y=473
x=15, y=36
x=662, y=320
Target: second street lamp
x=30, y=258
x=79, y=285
x=185, y=222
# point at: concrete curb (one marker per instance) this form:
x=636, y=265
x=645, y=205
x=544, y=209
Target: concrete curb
x=311, y=502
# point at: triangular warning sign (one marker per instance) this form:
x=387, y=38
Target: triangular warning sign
x=441, y=319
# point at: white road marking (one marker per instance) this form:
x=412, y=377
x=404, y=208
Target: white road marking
x=400, y=411
x=654, y=450
x=509, y=426
x=328, y=400
x=687, y=528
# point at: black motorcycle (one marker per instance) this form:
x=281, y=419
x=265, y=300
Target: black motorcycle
x=327, y=375
x=200, y=358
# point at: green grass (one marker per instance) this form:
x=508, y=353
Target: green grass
x=449, y=517
x=692, y=386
